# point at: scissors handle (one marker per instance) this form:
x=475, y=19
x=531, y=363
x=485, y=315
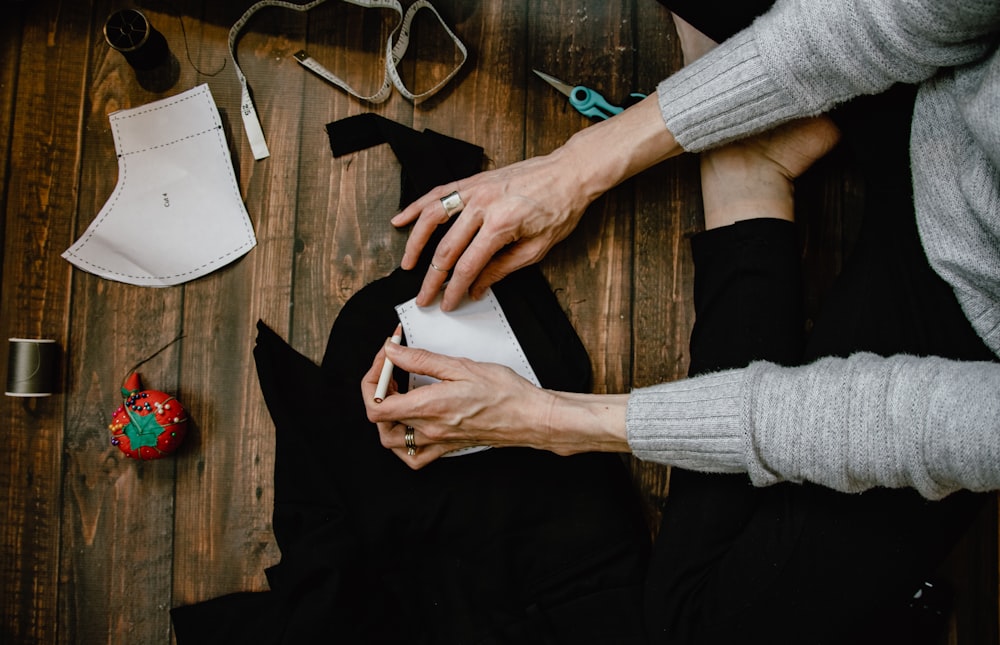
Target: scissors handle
x=590, y=103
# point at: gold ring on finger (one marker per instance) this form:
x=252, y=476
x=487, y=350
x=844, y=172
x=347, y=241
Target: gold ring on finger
x=410, y=441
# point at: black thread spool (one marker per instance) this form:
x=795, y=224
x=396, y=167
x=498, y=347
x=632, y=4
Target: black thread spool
x=31, y=367
x=130, y=32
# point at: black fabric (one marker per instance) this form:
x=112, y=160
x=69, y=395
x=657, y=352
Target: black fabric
x=787, y=563
x=502, y=546
x=718, y=19
x=428, y=158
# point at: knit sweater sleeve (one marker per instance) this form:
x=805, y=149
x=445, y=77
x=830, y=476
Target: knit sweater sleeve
x=803, y=57
x=849, y=424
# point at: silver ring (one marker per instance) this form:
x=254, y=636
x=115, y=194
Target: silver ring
x=410, y=441
x=437, y=268
x=452, y=204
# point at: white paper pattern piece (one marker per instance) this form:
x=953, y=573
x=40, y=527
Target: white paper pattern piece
x=476, y=329
x=176, y=212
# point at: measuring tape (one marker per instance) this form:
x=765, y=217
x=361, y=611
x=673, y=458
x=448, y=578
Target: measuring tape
x=393, y=54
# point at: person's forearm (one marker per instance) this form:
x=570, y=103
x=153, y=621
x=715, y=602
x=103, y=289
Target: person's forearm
x=850, y=424
x=609, y=152
x=578, y=423
x=802, y=58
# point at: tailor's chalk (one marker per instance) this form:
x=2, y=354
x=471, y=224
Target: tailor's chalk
x=386, y=375
x=31, y=367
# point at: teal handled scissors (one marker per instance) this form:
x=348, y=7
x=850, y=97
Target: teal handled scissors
x=586, y=101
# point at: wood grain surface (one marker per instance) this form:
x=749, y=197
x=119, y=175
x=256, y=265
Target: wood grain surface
x=97, y=548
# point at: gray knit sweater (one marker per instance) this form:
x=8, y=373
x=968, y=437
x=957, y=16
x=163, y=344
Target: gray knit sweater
x=865, y=421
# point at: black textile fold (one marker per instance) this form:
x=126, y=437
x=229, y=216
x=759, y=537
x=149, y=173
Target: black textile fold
x=503, y=546
x=428, y=158
x=721, y=19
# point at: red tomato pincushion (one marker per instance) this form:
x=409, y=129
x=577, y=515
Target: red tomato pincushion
x=149, y=424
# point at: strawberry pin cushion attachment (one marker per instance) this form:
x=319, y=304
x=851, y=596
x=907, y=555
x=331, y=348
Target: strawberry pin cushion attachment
x=149, y=424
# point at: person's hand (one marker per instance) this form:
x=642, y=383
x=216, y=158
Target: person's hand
x=484, y=404
x=511, y=218
x=474, y=404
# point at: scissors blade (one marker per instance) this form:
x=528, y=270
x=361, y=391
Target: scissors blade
x=556, y=83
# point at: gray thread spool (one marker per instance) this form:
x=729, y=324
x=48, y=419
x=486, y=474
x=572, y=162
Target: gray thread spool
x=31, y=367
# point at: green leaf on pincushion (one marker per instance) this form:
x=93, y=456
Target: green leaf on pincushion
x=143, y=430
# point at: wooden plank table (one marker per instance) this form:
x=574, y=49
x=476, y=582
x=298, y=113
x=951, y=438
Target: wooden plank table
x=95, y=547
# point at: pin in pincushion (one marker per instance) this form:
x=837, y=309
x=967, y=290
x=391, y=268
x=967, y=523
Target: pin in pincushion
x=149, y=424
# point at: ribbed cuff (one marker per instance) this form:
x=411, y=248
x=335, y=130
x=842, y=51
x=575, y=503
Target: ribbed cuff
x=725, y=95
x=694, y=423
